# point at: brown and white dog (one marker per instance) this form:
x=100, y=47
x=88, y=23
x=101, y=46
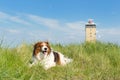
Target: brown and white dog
x=48, y=58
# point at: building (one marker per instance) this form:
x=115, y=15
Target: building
x=90, y=31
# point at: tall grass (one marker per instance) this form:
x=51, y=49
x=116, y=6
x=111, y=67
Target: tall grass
x=91, y=61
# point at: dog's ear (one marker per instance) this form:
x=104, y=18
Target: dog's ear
x=35, y=50
x=37, y=44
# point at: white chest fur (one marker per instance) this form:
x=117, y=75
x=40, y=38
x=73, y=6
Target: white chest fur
x=48, y=61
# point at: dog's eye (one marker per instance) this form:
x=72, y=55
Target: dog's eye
x=46, y=42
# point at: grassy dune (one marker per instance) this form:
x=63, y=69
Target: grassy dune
x=92, y=61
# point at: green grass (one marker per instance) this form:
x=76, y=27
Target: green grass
x=92, y=61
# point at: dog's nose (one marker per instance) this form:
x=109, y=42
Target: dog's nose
x=45, y=48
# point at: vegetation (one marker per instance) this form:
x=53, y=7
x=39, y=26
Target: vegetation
x=92, y=61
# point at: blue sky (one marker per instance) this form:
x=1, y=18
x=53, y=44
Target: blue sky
x=58, y=21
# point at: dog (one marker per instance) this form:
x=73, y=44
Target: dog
x=47, y=57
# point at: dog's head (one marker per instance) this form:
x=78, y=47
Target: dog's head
x=42, y=47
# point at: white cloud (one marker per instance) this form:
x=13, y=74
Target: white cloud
x=18, y=20
x=3, y=15
x=50, y=23
x=109, y=35
x=55, y=30
x=12, y=19
x=113, y=31
x=78, y=25
x=56, y=25
x=13, y=31
x=110, y=31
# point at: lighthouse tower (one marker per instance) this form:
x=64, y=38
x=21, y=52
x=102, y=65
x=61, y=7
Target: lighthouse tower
x=90, y=31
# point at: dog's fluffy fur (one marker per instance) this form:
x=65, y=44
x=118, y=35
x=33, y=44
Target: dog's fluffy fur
x=48, y=58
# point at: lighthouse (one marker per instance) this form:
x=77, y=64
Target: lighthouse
x=90, y=31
